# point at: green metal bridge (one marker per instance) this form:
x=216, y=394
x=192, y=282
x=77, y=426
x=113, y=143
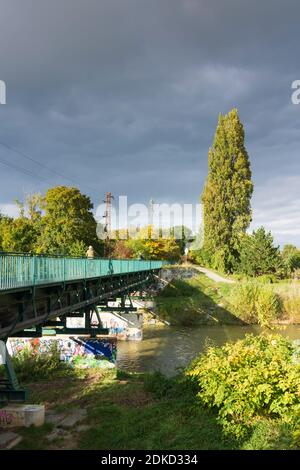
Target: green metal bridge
x=39, y=292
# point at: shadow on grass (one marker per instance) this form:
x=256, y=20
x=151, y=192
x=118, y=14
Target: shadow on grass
x=129, y=411
x=197, y=301
x=151, y=412
x=141, y=411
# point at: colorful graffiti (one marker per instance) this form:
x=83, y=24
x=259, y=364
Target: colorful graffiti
x=6, y=418
x=77, y=350
x=121, y=327
x=127, y=327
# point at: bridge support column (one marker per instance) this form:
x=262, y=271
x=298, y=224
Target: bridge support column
x=10, y=390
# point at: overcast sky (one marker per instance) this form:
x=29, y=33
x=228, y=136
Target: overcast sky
x=124, y=96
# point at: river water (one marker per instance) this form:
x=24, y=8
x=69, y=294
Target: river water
x=168, y=349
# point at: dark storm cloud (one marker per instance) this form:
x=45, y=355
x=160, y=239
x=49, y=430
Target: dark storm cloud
x=124, y=95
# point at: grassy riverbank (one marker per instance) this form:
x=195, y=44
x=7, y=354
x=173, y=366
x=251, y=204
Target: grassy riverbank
x=134, y=411
x=195, y=301
x=200, y=300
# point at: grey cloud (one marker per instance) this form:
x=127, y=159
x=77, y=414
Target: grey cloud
x=124, y=95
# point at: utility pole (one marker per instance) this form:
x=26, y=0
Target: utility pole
x=107, y=228
x=151, y=211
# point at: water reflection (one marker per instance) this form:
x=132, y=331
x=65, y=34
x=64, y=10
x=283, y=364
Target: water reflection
x=168, y=348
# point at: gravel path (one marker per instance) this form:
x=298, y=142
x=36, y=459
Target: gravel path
x=212, y=275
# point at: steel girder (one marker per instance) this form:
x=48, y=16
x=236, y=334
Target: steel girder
x=33, y=307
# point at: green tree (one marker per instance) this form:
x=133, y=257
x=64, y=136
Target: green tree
x=182, y=235
x=3, y=221
x=17, y=235
x=258, y=255
x=68, y=223
x=121, y=250
x=291, y=258
x=227, y=193
x=77, y=248
x=148, y=246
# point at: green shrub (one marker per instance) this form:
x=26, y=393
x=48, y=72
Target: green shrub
x=267, y=279
x=30, y=364
x=251, y=379
x=242, y=299
x=267, y=306
x=254, y=302
x=201, y=256
x=290, y=300
x=291, y=259
x=258, y=255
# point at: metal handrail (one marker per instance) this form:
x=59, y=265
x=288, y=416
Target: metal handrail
x=19, y=270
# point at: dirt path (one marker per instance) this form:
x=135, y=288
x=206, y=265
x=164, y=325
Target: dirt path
x=212, y=275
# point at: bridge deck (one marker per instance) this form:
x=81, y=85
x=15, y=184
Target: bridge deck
x=23, y=270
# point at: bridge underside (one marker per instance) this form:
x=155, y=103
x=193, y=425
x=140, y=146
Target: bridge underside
x=39, y=306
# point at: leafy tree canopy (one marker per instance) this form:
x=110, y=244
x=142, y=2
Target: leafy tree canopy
x=227, y=193
x=17, y=235
x=291, y=258
x=67, y=220
x=61, y=222
x=258, y=255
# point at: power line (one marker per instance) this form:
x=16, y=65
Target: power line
x=23, y=170
x=22, y=154
x=42, y=165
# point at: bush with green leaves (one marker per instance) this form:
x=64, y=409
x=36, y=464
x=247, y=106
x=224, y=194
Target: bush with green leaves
x=255, y=302
x=290, y=300
x=291, y=258
x=252, y=379
x=258, y=255
x=30, y=364
x=200, y=256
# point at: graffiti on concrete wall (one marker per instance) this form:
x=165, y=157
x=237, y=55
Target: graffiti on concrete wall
x=77, y=350
x=121, y=328
x=6, y=418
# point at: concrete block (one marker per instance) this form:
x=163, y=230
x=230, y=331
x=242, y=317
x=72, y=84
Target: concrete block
x=22, y=416
x=8, y=440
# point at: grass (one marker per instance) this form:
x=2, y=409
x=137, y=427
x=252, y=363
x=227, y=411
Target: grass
x=200, y=300
x=137, y=411
x=195, y=301
x=290, y=300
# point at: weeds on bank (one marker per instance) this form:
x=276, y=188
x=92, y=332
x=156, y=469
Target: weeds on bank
x=150, y=411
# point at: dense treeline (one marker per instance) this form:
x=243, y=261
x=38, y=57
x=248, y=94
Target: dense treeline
x=62, y=223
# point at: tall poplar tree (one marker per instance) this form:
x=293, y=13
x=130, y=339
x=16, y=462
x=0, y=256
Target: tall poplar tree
x=227, y=193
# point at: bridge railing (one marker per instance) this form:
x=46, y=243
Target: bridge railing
x=23, y=270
